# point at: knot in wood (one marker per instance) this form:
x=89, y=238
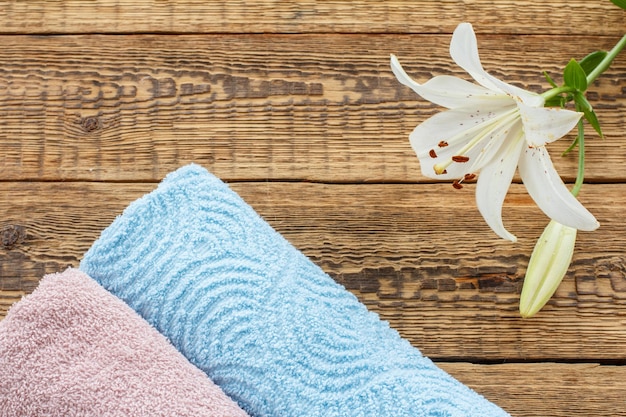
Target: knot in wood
x=90, y=123
x=10, y=235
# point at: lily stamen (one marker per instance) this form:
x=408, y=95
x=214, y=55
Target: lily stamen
x=458, y=184
x=491, y=125
x=480, y=131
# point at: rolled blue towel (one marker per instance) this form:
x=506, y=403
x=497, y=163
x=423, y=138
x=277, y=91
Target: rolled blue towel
x=275, y=332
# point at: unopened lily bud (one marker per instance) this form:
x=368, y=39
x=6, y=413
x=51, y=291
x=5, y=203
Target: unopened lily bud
x=547, y=267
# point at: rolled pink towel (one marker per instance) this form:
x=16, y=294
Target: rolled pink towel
x=73, y=349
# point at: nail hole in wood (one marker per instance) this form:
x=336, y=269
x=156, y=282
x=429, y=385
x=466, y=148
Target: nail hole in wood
x=11, y=235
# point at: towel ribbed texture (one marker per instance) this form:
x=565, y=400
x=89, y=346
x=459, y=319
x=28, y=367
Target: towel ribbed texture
x=273, y=330
x=72, y=349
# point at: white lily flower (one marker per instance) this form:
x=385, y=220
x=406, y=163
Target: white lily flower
x=547, y=266
x=492, y=128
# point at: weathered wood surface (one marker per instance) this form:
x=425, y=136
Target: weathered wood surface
x=548, y=389
x=598, y=17
x=321, y=108
x=440, y=278
x=294, y=104
x=428, y=265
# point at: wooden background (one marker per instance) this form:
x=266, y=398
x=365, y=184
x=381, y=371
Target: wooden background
x=293, y=103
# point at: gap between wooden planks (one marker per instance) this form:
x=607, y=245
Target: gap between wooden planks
x=324, y=124
x=292, y=107
x=442, y=279
x=548, y=389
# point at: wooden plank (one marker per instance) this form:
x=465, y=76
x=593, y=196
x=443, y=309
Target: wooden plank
x=311, y=16
x=548, y=389
x=300, y=91
x=418, y=254
x=319, y=108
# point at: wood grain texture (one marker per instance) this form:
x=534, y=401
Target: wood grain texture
x=294, y=104
x=310, y=16
x=320, y=108
x=558, y=390
x=442, y=279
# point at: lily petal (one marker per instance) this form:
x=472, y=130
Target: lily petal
x=544, y=124
x=550, y=193
x=456, y=128
x=494, y=182
x=464, y=51
x=447, y=91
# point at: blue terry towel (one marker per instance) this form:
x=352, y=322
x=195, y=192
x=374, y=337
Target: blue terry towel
x=275, y=332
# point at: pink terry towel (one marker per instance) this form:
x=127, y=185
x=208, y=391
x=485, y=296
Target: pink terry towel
x=73, y=349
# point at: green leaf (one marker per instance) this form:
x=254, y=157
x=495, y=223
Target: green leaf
x=549, y=79
x=571, y=147
x=591, y=61
x=590, y=115
x=581, y=102
x=574, y=76
x=592, y=118
x=619, y=3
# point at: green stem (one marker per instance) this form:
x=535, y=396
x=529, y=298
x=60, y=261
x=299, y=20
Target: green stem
x=599, y=69
x=606, y=62
x=553, y=92
x=580, y=139
x=580, y=175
